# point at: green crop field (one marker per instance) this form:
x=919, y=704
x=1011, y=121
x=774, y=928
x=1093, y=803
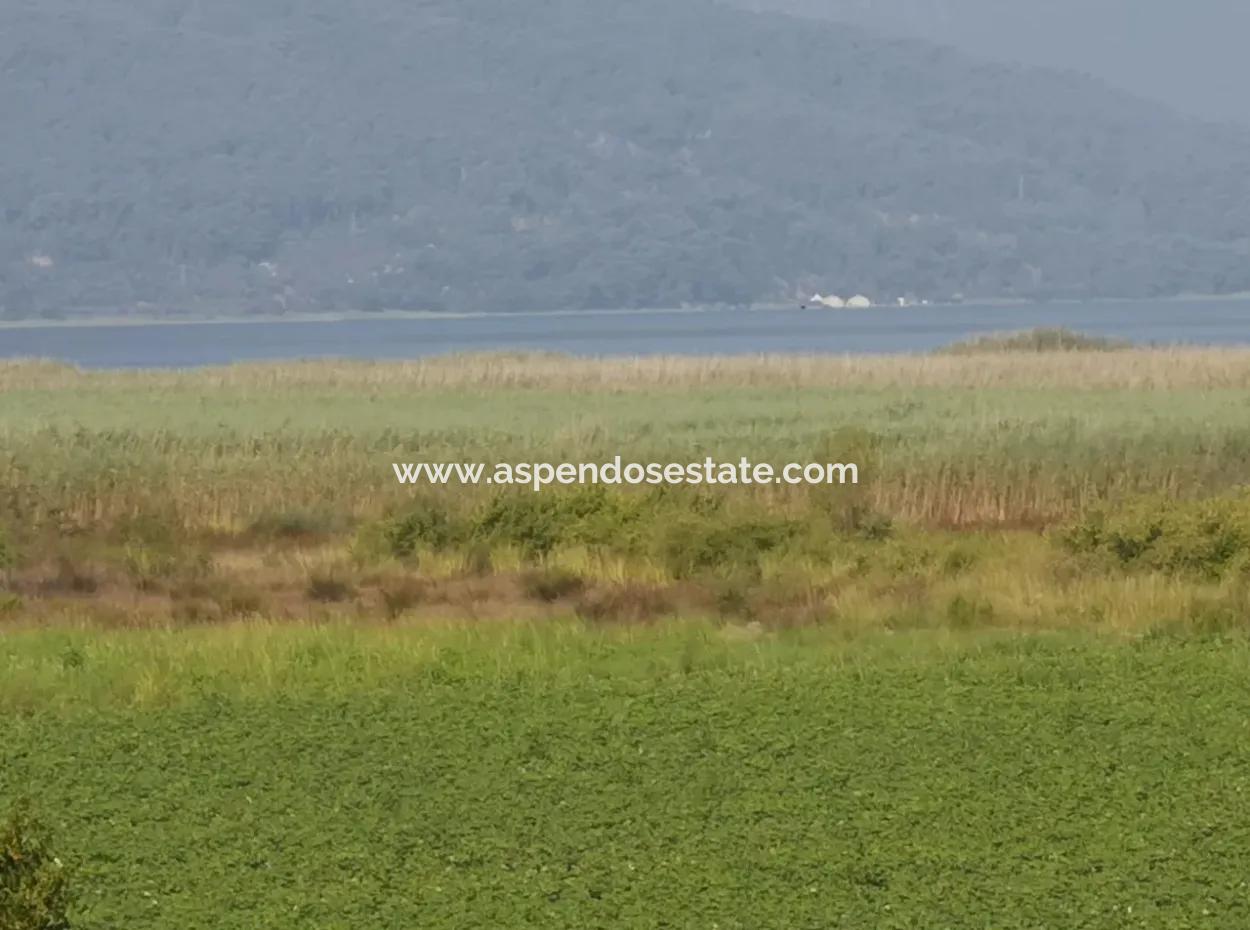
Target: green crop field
x=671, y=777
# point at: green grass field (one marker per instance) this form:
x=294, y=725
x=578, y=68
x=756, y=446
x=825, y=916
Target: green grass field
x=673, y=777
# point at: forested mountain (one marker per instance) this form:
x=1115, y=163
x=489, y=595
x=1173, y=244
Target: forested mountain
x=359, y=154
x=1190, y=55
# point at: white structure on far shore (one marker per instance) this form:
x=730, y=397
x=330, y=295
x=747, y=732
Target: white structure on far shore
x=859, y=302
x=833, y=301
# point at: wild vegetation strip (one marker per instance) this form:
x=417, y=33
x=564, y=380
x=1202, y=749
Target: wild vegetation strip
x=1010, y=489
x=670, y=777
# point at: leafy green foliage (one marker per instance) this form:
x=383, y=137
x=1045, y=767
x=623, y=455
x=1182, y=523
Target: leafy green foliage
x=426, y=524
x=34, y=891
x=668, y=777
x=1205, y=537
x=536, y=523
x=696, y=545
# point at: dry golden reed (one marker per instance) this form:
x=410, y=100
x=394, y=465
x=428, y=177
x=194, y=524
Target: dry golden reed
x=1150, y=369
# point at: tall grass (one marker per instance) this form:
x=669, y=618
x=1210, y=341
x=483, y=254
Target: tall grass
x=216, y=494
x=1001, y=366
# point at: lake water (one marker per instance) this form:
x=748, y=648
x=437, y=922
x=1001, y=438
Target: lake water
x=884, y=329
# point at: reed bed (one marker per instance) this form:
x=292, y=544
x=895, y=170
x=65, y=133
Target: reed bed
x=1151, y=369
x=222, y=456
x=219, y=492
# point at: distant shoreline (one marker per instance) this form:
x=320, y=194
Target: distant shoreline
x=347, y=317
x=113, y=321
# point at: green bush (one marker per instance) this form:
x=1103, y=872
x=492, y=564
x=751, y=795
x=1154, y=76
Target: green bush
x=536, y=523
x=34, y=893
x=692, y=545
x=1206, y=537
x=8, y=552
x=427, y=525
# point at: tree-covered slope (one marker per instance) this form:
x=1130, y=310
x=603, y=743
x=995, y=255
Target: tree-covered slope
x=258, y=154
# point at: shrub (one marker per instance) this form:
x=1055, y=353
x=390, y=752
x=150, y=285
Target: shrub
x=238, y=601
x=536, y=523
x=1204, y=537
x=551, y=584
x=732, y=597
x=1036, y=340
x=69, y=578
x=478, y=561
x=691, y=546
x=425, y=526
x=627, y=603
x=964, y=613
x=957, y=560
x=8, y=552
x=329, y=588
x=34, y=893
x=533, y=522
x=401, y=594
x=593, y=516
x=866, y=523
x=294, y=525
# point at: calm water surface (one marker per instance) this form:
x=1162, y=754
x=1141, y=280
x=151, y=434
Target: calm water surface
x=1205, y=322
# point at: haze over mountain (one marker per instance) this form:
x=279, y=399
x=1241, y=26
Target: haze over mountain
x=1189, y=55
x=264, y=155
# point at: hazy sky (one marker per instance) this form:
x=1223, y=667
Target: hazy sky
x=1191, y=54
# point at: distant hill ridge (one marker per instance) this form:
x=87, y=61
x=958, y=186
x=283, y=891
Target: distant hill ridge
x=488, y=154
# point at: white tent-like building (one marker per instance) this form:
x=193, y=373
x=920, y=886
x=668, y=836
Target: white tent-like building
x=833, y=301
x=859, y=302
